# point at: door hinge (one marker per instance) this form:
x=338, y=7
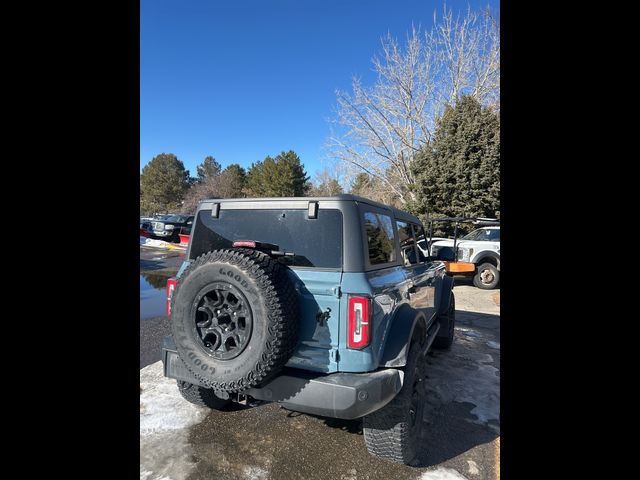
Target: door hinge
x=336, y=291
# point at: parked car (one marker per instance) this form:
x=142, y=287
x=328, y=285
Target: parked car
x=168, y=227
x=144, y=226
x=323, y=304
x=480, y=247
x=144, y=221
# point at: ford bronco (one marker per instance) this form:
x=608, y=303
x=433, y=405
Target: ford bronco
x=323, y=304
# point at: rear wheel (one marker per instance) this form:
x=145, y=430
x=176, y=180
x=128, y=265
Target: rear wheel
x=201, y=396
x=393, y=431
x=487, y=276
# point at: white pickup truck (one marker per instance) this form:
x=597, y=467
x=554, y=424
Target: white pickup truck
x=481, y=247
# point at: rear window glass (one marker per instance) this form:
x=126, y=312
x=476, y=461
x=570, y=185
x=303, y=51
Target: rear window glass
x=380, y=238
x=315, y=242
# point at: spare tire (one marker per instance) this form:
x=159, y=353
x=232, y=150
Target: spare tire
x=234, y=318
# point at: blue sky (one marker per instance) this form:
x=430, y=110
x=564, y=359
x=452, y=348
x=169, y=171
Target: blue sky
x=240, y=80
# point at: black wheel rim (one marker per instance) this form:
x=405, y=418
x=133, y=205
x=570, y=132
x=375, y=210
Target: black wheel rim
x=223, y=321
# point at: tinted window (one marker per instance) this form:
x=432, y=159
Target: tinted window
x=484, y=234
x=475, y=235
x=407, y=243
x=315, y=242
x=176, y=218
x=380, y=238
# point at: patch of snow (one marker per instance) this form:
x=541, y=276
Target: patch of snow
x=255, y=473
x=152, y=242
x=469, y=332
x=352, y=474
x=464, y=375
x=442, y=473
x=473, y=467
x=162, y=407
x=147, y=475
x=165, y=416
x=492, y=344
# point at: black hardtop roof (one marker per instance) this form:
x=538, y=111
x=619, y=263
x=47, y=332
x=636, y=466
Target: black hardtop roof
x=345, y=197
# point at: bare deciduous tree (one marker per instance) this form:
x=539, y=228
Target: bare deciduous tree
x=228, y=183
x=379, y=129
x=208, y=188
x=327, y=182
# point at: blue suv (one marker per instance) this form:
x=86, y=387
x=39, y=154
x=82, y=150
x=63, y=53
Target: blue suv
x=323, y=304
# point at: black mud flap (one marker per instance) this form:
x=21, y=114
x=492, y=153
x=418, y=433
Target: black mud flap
x=173, y=366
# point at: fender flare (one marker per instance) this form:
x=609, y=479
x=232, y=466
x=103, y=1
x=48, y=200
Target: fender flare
x=400, y=334
x=444, y=291
x=444, y=287
x=485, y=255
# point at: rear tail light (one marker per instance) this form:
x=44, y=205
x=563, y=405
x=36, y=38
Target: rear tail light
x=359, y=335
x=171, y=286
x=244, y=243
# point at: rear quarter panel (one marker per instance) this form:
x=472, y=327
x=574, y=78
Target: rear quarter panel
x=388, y=288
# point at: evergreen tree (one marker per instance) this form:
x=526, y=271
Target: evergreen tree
x=232, y=181
x=282, y=176
x=458, y=173
x=208, y=168
x=163, y=183
x=361, y=184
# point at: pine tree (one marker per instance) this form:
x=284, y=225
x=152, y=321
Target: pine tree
x=282, y=176
x=232, y=181
x=208, y=168
x=458, y=173
x=163, y=183
x=361, y=185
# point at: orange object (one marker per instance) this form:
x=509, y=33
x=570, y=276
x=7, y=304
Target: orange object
x=459, y=267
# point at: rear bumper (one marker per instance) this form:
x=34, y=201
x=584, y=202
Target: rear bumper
x=337, y=395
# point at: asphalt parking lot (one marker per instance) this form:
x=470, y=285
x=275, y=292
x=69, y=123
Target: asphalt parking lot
x=461, y=438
